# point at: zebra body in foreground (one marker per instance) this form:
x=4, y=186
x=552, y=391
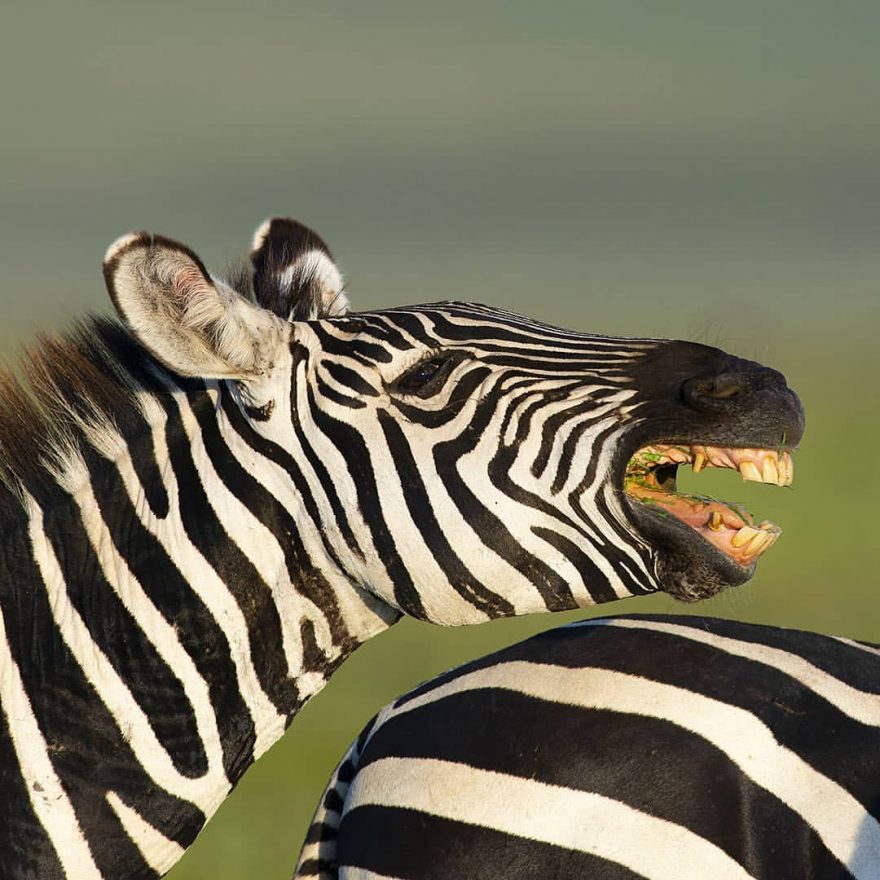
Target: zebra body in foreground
x=668, y=748
x=206, y=508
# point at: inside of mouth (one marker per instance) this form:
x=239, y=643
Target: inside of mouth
x=651, y=480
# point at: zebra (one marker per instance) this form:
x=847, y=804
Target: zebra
x=659, y=747
x=207, y=505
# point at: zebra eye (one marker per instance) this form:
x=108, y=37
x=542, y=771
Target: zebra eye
x=418, y=379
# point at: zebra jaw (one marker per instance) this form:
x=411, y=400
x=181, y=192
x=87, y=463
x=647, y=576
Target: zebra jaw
x=650, y=479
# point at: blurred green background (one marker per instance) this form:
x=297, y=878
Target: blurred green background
x=699, y=170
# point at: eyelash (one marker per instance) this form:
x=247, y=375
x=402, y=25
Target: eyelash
x=420, y=377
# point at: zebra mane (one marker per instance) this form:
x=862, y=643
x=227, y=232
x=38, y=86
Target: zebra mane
x=72, y=386
x=66, y=390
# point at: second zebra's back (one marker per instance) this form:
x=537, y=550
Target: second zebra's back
x=615, y=749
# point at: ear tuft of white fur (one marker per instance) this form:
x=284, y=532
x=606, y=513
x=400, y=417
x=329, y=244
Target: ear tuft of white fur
x=122, y=243
x=192, y=324
x=260, y=235
x=295, y=275
x=318, y=283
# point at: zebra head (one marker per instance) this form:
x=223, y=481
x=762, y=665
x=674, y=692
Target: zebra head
x=464, y=462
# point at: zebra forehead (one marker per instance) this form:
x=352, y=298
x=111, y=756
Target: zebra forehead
x=480, y=314
x=476, y=324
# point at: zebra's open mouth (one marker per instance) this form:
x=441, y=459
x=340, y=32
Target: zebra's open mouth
x=730, y=528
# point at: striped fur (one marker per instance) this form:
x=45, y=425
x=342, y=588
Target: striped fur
x=207, y=509
x=665, y=748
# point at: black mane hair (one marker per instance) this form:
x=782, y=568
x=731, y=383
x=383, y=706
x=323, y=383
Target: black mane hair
x=86, y=377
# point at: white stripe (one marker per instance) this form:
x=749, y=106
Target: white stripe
x=577, y=820
x=862, y=706
x=859, y=646
x=47, y=796
x=442, y=603
x=166, y=641
x=358, y=570
x=250, y=535
x=520, y=521
x=269, y=723
x=207, y=791
x=205, y=583
x=842, y=823
x=363, y=874
x=158, y=851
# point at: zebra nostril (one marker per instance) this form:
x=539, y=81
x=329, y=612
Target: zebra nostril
x=724, y=387
x=714, y=391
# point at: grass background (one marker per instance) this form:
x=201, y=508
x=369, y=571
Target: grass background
x=689, y=169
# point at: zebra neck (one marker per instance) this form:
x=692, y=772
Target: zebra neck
x=188, y=593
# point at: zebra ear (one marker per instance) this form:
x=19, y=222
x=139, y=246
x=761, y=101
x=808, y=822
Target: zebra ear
x=294, y=273
x=194, y=325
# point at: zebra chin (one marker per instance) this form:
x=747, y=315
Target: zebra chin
x=686, y=566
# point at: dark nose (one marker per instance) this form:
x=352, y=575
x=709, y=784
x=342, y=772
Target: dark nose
x=728, y=389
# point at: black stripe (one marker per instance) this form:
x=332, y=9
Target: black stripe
x=86, y=748
x=610, y=549
x=430, y=848
x=340, y=399
x=496, y=328
x=360, y=344
x=153, y=685
x=395, y=321
x=349, y=378
x=490, y=316
x=615, y=555
x=239, y=575
x=778, y=700
x=142, y=453
x=305, y=577
x=584, y=411
x=552, y=588
x=499, y=473
x=459, y=396
x=646, y=763
x=557, y=365
x=351, y=445
x=271, y=512
x=198, y=632
x=595, y=580
x=328, y=484
x=850, y=664
x=318, y=868
x=383, y=330
x=462, y=580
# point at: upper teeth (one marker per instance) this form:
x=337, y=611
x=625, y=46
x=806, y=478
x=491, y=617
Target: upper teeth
x=749, y=471
x=756, y=465
x=776, y=469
